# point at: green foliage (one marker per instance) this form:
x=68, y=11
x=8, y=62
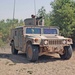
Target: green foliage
x=1, y=43
x=63, y=15
x=5, y=27
x=42, y=12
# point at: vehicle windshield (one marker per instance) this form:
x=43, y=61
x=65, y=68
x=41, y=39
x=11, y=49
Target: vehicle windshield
x=33, y=30
x=49, y=31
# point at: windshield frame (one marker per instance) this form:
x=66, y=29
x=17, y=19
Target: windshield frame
x=32, y=33
x=41, y=27
x=52, y=29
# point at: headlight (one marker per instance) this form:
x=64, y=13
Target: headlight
x=64, y=41
x=46, y=42
x=69, y=40
x=35, y=40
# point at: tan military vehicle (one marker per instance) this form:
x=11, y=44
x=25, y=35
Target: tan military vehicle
x=36, y=40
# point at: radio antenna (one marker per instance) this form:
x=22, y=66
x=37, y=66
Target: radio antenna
x=35, y=7
x=14, y=9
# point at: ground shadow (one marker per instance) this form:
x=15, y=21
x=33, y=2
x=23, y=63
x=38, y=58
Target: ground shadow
x=45, y=59
x=21, y=58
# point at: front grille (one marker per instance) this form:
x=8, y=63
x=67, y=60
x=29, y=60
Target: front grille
x=55, y=42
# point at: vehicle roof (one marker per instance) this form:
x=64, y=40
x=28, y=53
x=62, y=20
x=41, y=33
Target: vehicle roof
x=20, y=27
x=42, y=26
x=38, y=26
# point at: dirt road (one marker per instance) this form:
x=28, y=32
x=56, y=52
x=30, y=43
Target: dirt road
x=46, y=65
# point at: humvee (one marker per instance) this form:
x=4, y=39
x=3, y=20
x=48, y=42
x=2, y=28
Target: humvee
x=36, y=40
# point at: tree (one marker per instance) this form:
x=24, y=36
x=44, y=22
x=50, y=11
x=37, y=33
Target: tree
x=5, y=27
x=63, y=16
x=42, y=12
x=46, y=16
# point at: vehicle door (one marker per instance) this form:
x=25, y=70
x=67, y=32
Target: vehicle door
x=16, y=42
x=20, y=39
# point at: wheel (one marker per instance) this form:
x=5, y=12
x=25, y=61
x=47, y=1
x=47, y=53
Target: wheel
x=32, y=52
x=67, y=53
x=13, y=50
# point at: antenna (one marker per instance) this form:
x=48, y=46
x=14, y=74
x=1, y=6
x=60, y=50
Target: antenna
x=35, y=7
x=14, y=9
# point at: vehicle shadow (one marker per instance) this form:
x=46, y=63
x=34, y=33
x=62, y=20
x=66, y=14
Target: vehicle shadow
x=46, y=59
x=21, y=58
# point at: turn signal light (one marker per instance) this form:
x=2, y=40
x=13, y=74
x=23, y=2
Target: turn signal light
x=36, y=40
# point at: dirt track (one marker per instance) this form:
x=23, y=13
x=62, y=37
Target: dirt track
x=46, y=65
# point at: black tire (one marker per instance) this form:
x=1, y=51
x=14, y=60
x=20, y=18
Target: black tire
x=32, y=52
x=67, y=53
x=13, y=50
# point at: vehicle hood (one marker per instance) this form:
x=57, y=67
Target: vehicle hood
x=46, y=37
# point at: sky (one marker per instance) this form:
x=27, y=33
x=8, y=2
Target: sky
x=23, y=8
